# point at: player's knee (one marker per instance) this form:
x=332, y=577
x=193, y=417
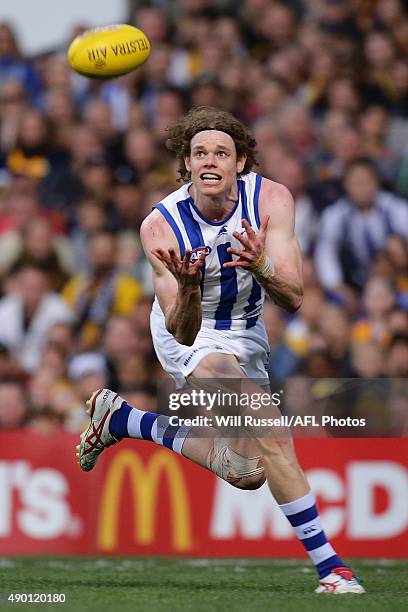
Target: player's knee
x=250, y=483
x=238, y=470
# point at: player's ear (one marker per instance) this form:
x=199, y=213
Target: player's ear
x=187, y=163
x=241, y=163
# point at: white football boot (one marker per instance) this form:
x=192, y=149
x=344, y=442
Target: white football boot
x=340, y=580
x=96, y=437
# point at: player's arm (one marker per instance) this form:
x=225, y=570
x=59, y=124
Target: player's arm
x=273, y=254
x=176, y=282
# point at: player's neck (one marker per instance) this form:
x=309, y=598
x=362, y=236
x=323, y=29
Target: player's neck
x=214, y=208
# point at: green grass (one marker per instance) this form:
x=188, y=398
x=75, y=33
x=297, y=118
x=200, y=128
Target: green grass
x=234, y=585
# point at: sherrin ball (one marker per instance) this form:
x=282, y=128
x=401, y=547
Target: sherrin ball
x=108, y=51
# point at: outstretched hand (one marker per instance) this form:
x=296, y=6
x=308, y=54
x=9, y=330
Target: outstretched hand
x=253, y=253
x=186, y=273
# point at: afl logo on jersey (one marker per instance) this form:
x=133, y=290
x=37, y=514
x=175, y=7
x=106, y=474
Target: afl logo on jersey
x=195, y=253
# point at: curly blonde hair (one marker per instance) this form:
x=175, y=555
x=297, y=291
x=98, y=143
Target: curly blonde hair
x=209, y=118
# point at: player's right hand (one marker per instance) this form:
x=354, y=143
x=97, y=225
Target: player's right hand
x=187, y=274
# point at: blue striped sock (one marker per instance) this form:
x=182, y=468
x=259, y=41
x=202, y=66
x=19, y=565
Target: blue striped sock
x=129, y=422
x=302, y=514
x=119, y=420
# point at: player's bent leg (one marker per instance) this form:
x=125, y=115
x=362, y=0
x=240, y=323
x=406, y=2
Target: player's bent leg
x=111, y=419
x=289, y=486
x=285, y=477
x=236, y=461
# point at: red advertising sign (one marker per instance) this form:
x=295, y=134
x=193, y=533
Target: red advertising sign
x=143, y=499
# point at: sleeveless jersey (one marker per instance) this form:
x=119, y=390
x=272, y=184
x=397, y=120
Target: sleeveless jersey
x=230, y=297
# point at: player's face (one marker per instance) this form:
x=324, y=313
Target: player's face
x=213, y=162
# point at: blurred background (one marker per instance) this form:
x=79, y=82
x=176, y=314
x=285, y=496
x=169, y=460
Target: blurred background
x=323, y=84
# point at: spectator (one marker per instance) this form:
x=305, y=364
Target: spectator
x=343, y=97
x=133, y=374
x=32, y=154
x=389, y=13
x=335, y=330
x=119, y=339
x=40, y=388
x=397, y=322
x=297, y=129
x=45, y=422
x=28, y=313
x=337, y=17
x=396, y=253
x=378, y=299
x=373, y=129
x=152, y=21
x=88, y=371
x=60, y=110
x=322, y=70
x=101, y=293
x=368, y=360
x=97, y=116
x=19, y=208
x=319, y=363
x=13, y=104
x=62, y=188
x=13, y=406
x=95, y=175
x=13, y=66
x=299, y=330
x=36, y=245
x=89, y=218
x=53, y=359
x=325, y=166
x=292, y=174
x=379, y=51
x=397, y=358
x=10, y=369
x=127, y=199
x=130, y=257
x=142, y=155
x=400, y=86
x=170, y=105
x=62, y=336
x=278, y=25
x=355, y=228
x=282, y=360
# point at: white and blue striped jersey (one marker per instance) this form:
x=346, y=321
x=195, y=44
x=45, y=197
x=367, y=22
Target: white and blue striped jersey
x=230, y=297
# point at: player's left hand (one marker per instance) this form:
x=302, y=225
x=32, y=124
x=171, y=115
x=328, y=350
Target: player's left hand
x=254, y=247
x=186, y=272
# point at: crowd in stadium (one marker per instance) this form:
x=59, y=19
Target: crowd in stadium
x=323, y=86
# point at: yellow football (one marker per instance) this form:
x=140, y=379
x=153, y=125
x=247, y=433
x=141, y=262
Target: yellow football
x=108, y=51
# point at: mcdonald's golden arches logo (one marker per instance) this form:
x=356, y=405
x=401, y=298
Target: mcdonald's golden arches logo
x=145, y=489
